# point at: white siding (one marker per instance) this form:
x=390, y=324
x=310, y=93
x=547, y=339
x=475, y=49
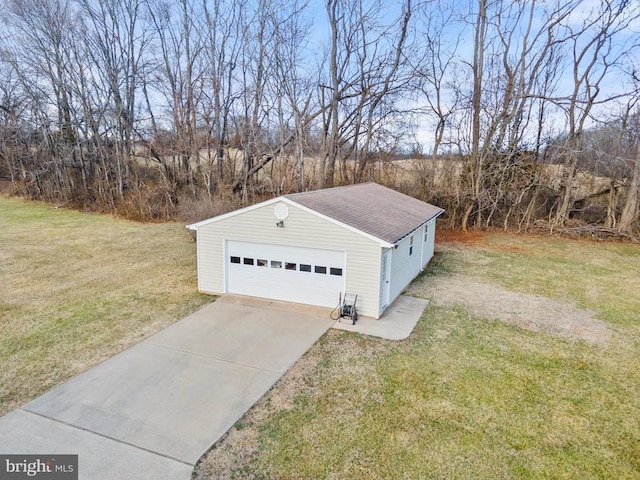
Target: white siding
x=428, y=246
x=300, y=229
x=405, y=267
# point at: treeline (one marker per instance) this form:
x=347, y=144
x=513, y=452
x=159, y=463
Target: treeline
x=156, y=109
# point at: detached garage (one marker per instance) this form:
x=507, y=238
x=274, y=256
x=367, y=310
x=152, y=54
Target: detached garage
x=311, y=247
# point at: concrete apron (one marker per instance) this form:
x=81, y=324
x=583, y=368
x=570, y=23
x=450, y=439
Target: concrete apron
x=396, y=323
x=151, y=411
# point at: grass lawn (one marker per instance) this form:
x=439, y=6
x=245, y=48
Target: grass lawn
x=75, y=288
x=465, y=396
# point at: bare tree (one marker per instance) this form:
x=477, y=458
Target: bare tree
x=276, y=110
x=43, y=39
x=14, y=104
x=365, y=62
x=630, y=212
x=594, y=53
x=117, y=41
x=521, y=52
x=179, y=79
x=223, y=43
x=436, y=70
x=291, y=87
x=123, y=103
x=256, y=67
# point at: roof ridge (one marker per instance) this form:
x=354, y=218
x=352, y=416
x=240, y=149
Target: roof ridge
x=325, y=190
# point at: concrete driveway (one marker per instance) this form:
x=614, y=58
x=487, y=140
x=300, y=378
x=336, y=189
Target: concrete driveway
x=151, y=411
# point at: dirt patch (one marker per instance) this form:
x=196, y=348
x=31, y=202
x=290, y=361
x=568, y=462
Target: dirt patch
x=460, y=237
x=532, y=312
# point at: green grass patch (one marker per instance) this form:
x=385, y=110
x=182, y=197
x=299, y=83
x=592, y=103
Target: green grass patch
x=77, y=288
x=465, y=398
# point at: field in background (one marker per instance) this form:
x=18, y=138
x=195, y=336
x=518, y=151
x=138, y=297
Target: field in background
x=76, y=288
x=438, y=180
x=491, y=384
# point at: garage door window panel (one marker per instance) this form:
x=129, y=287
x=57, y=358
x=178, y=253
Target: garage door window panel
x=335, y=271
x=275, y=272
x=248, y=261
x=234, y=259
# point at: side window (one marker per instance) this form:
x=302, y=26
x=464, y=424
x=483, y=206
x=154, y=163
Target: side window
x=411, y=245
x=426, y=233
x=234, y=259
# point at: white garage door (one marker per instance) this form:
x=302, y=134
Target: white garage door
x=293, y=274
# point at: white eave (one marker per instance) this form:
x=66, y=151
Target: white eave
x=196, y=226
x=202, y=223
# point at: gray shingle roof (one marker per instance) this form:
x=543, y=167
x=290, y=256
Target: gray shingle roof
x=370, y=208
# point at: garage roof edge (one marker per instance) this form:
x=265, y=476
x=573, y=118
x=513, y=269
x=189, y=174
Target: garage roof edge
x=380, y=211
x=202, y=223
x=375, y=212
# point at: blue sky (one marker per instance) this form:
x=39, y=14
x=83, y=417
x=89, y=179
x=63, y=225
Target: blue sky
x=459, y=31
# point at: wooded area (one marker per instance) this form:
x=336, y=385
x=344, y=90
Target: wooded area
x=509, y=114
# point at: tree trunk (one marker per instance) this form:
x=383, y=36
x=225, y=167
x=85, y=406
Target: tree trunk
x=630, y=210
x=567, y=200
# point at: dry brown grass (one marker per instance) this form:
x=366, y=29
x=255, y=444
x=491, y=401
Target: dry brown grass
x=483, y=388
x=77, y=288
x=533, y=312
